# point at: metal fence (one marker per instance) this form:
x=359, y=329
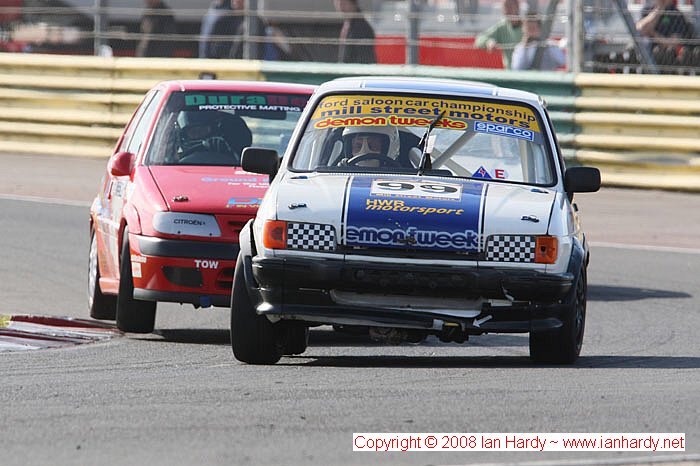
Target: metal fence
x=601, y=35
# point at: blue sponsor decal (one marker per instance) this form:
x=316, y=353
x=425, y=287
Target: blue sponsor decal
x=436, y=239
x=504, y=130
x=481, y=173
x=244, y=202
x=413, y=213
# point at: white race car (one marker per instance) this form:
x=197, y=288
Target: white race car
x=413, y=207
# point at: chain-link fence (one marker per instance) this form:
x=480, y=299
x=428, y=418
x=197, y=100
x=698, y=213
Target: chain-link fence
x=609, y=36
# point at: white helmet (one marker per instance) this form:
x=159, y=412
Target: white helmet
x=388, y=135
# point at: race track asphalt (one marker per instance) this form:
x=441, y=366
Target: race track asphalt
x=179, y=397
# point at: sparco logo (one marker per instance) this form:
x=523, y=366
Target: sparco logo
x=492, y=128
x=187, y=221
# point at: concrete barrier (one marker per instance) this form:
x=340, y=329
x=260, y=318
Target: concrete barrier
x=78, y=105
x=639, y=122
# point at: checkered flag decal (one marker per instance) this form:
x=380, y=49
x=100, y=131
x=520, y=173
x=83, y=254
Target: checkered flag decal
x=310, y=236
x=510, y=248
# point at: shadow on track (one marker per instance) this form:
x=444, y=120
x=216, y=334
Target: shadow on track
x=321, y=338
x=327, y=338
x=426, y=362
x=639, y=362
x=626, y=293
x=193, y=336
x=495, y=362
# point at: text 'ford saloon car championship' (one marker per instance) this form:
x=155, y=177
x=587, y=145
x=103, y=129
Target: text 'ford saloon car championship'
x=165, y=224
x=414, y=207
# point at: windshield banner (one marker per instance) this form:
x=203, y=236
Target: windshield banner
x=413, y=213
x=508, y=120
x=256, y=102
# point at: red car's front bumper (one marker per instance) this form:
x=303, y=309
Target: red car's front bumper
x=181, y=271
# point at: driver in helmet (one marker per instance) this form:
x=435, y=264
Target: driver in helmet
x=199, y=131
x=371, y=146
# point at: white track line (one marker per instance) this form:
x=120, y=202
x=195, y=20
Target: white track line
x=645, y=247
x=45, y=200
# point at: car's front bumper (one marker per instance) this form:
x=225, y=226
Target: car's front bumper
x=196, y=272
x=301, y=288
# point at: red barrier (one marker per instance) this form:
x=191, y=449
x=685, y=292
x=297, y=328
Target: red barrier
x=28, y=332
x=440, y=51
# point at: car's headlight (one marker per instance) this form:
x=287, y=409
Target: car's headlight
x=179, y=223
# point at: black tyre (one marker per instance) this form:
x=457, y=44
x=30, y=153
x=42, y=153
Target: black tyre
x=563, y=345
x=133, y=315
x=254, y=339
x=101, y=306
x=296, y=338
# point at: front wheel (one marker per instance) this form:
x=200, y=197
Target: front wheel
x=100, y=305
x=563, y=345
x=254, y=339
x=133, y=315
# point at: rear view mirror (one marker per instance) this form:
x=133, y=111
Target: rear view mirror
x=259, y=160
x=122, y=164
x=582, y=180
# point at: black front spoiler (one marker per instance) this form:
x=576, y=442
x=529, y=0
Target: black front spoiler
x=276, y=273
x=162, y=247
x=299, y=288
x=487, y=322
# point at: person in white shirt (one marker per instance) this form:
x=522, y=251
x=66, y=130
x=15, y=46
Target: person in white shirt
x=525, y=52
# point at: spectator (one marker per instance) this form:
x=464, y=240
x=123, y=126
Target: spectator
x=219, y=20
x=242, y=32
x=666, y=27
x=525, y=54
x=277, y=46
x=504, y=34
x=227, y=18
x=157, y=19
x=355, y=27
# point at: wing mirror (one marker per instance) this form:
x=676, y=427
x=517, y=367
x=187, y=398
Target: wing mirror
x=259, y=160
x=122, y=164
x=582, y=180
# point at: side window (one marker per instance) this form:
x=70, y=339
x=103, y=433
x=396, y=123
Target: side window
x=142, y=126
x=134, y=121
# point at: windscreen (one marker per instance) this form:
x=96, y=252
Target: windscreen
x=213, y=128
x=470, y=138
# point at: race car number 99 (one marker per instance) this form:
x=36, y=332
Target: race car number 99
x=407, y=188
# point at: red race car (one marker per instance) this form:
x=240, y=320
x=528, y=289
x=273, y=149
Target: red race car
x=165, y=223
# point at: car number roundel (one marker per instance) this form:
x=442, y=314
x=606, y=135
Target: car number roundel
x=420, y=189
